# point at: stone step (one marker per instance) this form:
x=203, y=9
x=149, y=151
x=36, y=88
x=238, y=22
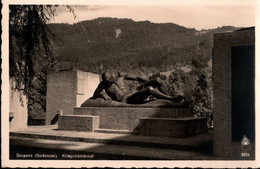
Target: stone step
x=114, y=131
x=172, y=127
x=125, y=118
x=78, y=123
x=200, y=143
x=69, y=150
x=87, y=123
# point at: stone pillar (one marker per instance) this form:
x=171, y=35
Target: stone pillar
x=68, y=89
x=225, y=146
x=18, y=112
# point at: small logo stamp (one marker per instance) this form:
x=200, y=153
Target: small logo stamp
x=245, y=147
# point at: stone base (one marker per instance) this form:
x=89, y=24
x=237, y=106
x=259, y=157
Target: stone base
x=123, y=118
x=169, y=127
x=78, y=123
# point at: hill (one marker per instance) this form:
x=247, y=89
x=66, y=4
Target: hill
x=126, y=45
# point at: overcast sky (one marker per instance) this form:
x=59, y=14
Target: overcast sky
x=198, y=17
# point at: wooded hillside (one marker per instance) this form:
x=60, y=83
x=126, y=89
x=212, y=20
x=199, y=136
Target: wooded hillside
x=123, y=44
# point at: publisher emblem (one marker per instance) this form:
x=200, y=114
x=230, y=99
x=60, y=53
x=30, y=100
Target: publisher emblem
x=245, y=147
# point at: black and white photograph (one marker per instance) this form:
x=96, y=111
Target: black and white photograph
x=130, y=84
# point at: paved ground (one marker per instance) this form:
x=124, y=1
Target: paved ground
x=86, y=145
x=98, y=150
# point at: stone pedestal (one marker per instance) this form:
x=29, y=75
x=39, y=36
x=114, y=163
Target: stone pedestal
x=127, y=118
x=78, y=123
x=68, y=89
x=173, y=127
x=233, y=80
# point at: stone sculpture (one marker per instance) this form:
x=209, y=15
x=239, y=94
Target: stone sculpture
x=118, y=93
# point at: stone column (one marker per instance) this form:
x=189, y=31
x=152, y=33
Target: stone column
x=68, y=89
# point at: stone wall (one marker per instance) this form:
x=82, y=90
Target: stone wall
x=18, y=113
x=222, y=82
x=68, y=89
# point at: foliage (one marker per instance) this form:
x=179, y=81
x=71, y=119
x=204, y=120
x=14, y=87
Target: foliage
x=196, y=87
x=29, y=38
x=31, y=50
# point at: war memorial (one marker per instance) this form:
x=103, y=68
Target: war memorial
x=79, y=126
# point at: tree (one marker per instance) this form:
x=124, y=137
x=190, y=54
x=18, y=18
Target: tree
x=29, y=36
x=31, y=52
x=196, y=87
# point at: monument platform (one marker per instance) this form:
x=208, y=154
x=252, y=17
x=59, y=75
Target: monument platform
x=172, y=127
x=127, y=118
x=110, y=146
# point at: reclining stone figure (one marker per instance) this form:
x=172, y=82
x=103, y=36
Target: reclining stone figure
x=116, y=88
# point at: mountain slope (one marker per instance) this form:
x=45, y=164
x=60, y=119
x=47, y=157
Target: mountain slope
x=124, y=44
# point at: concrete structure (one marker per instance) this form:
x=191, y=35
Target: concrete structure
x=173, y=127
x=18, y=112
x=233, y=80
x=163, y=122
x=78, y=123
x=68, y=89
x=127, y=118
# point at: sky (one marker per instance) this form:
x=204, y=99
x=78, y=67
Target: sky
x=198, y=17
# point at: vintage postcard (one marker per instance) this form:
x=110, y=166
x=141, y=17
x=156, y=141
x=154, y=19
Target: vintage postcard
x=130, y=83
